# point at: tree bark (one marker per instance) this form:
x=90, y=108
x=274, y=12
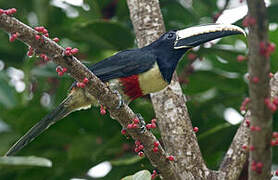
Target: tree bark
x=259, y=68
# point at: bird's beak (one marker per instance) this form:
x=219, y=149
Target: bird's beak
x=196, y=35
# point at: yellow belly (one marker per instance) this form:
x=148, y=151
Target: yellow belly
x=152, y=80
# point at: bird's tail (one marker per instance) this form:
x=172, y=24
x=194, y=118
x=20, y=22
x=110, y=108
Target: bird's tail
x=60, y=112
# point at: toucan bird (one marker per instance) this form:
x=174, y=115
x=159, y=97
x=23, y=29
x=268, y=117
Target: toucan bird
x=133, y=73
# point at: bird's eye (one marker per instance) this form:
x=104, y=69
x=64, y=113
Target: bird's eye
x=170, y=35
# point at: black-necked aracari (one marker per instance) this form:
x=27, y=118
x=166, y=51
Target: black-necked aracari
x=133, y=73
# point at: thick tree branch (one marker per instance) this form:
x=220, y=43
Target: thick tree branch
x=259, y=90
x=95, y=87
x=169, y=105
x=236, y=156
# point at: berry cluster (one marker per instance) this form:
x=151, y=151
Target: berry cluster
x=246, y=147
x=8, y=11
x=272, y=105
x=243, y=106
x=42, y=31
x=138, y=148
x=274, y=140
x=249, y=21
x=257, y=167
x=154, y=174
x=45, y=57
x=83, y=84
x=69, y=51
x=151, y=125
x=13, y=37
x=266, y=49
x=134, y=124
x=155, y=146
x=60, y=70
x=255, y=128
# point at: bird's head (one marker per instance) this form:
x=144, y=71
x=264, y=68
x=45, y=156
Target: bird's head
x=171, y=46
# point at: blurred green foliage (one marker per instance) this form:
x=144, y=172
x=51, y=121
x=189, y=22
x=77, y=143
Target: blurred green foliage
x=86, y=138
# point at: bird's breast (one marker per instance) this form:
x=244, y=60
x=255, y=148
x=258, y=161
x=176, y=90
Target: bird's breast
x=145, y=83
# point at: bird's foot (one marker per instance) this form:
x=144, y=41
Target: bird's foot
x=121, y=102
x=142, y=123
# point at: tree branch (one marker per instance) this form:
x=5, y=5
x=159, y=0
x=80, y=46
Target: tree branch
x=169, y=104
x=95, y=87
x=259, y=90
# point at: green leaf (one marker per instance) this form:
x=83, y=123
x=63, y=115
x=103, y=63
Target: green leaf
x=141, y=175
x=106, y=35
x=126, y=161
x=7, y=97
x=25, y=161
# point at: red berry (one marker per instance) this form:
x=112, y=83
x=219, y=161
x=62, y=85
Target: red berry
x=275, y=134
x=85, y=80
x=82, y=85
x=102, y=111
x=64, y=70
x=155, y=149
x=123, y=131
x=273, y=143
x=129, y=126
x=195, y=129
x=156, y=144
x=136, y=149
x=153, y=125
x=141, y=147
x=67, y=53
x=58, y=69
x=30, y=52
x=135, y=120
x=153, y=176
x=154, y=172
x=141, y=154
x=245, y=147
x=46, y=35
x=37, y=37
x=270, y=75
x=44, y=31
x=74, y=51
x=153, y=120
x=251, y=148
x=170, y=158
x=134, y=126
x=68, y=48
x=247, y=122
x=272, y=107
x=255, y=80
x=137, y=142
x=60, y=73
x=253, y=128
x=56, y=39
x=275, y=101
x=241, y=58
x=149, y=126
x=1, y=11
x=260, y=165
x=13, y=37
x=276, y=172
